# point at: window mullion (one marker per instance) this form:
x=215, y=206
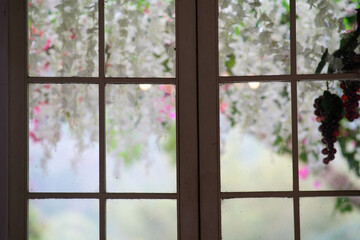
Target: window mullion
x=187, y=119
x=294, y=119
x=102, y=137
x=17, y=121
x=210, y=223
x=4, y=123
x=102, y=163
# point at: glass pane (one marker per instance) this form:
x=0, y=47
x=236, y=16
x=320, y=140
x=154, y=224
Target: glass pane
x=141, y=138
x=330, y=218
x=322, y=25
x=63, y=138
x=342, y=170
x=140, y=38
x=63, y=219
x=254, y=37
x=63, y=38
x=262, y=218
x=141, y=219
x=255, y=135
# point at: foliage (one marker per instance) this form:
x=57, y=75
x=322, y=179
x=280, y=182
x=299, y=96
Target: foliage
x=254, y=39
x=343, y=205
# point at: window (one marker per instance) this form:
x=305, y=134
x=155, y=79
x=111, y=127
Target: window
x=235, y=62
x=80, y=69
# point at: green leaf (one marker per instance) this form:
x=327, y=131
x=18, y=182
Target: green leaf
x=286, y=5
x=237, y=31
x=139, y=5
x=278, y=140
x=170, y=143
x=165, y=65
x=131, y=153
x=230, y=63
x=349, y=22
x=303, y=156
x=156, y=55
x=343, y=205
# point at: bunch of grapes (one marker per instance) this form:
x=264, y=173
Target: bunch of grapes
x=350, y=98
x=328, y=111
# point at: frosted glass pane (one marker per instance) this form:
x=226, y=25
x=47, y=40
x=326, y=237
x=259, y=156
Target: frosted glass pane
x=254, y=37
x=264, y=218
x=321, y=25
x=141, y=219
x=341, y=173
x=140, y=138
x=140, y=38
x=63, y=38
x=330, y=218
x=255, y=135
x=63, y=219
x=63, y=138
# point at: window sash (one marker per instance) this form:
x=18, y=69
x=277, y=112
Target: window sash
x=186, y=104
x=209, y=128
x=4, y=109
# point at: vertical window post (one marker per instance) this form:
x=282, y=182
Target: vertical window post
x=4, y=77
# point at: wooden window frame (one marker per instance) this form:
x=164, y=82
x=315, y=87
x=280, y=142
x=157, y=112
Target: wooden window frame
x=4, y=108
x=197, y=80
x=209, y=132
x=186, y=107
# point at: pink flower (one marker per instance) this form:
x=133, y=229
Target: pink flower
x=300, y=117
x=72, y=34
x=167, y=88
x=317, y=184
x=226, y=87
x=303, y=172
x=33, y=137
x=172, y=115
x=168, y=107
x=47, y=45
x=36, y=123
x=223, y=106
x=146, y=11
x=33, y=28
x=304, y=141
x=36, y=110
x=46, y=66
